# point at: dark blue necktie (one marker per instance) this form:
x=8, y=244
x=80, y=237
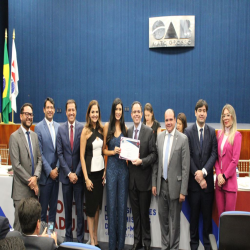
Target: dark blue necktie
x=31, y=153
x=201, y=138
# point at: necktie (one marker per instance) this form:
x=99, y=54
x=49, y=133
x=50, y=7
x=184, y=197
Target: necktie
x=201, y=138
x=165, y=166
x=52, y=134
x=31, y=153
x=135, y=137
x=71, y=137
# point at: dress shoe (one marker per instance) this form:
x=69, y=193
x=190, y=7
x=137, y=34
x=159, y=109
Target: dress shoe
x=97, y=246
x=147, y=247
x=136, y=246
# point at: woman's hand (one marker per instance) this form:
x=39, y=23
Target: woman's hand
x=104, y=177
x=221, y=180
x=117, y=150
x=89, y=184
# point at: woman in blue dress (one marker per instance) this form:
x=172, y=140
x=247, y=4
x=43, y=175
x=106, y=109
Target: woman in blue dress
x=116, y=176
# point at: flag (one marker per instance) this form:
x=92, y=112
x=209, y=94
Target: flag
x=6, y=107
x=14, y=78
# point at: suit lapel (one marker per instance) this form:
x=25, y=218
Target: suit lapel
x=196, y=138
x=47, y=131
x=141, y=132
x=130, y=132
x=173, y=145
x=33, y=141
x=67, y=134
x=205, y=141
x=23, y=139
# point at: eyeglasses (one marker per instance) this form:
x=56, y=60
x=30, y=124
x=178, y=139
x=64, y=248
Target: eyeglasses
x=226, y=116
x=28, y=114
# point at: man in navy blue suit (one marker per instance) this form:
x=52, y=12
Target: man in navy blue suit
x=49, y=184
x=71, y=176
x=203, y=154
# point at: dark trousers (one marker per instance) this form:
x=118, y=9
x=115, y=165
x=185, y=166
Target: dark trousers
x=140, y=203
x=200, y=202
x=68, y=191
x=49, y=197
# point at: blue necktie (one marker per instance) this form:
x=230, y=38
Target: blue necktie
x=31, y=153
x=165, y=166
x=201, y=138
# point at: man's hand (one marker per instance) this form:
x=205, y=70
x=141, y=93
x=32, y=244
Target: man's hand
x=73, y=178
x=32, y=182
x=53, y=235
x=53, y=174
x=182, y=198
x=203, y=184
x=36, y=190
x=154, y=191
x=198, y=176
x=137, y=162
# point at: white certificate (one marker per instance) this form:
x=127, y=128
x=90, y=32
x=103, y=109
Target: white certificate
x=129, y=149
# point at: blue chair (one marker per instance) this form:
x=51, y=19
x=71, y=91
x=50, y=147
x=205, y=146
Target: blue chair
x=75, y=245
x=234, y=231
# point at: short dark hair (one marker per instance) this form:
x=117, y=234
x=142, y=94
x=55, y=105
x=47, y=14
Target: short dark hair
x=200, y=104
x=29, y=212
x=25, y=105
x=135, y=102
x=71, y=101
x=49, y=99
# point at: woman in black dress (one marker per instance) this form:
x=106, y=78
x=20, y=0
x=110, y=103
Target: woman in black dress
x=93, y=167
x=149, y=120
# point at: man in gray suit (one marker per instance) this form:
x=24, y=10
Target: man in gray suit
x=26, y=161
x=170, y=179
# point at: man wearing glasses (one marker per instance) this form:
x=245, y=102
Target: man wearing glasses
x=26, y=161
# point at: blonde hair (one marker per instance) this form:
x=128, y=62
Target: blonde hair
x=233, y=128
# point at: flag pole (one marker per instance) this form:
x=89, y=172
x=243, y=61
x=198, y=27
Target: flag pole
x=11, y=59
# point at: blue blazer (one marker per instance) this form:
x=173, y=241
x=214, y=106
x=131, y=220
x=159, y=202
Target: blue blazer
x=69, y=160
x=204, y=158
x=48, y=152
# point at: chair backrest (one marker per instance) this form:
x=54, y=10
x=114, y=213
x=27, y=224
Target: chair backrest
x=75, y=245
x=244, y=167
x=234, y=232
x=4, y=156
x=4, y=146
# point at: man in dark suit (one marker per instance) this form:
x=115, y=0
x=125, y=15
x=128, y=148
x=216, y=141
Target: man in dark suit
x=29, y=212
x=49, y=185
x=71, y=176
x=140, y=178
x=203, y=154
x=26, y=160
x=170, y=180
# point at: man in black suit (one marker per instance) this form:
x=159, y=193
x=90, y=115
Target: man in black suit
x=203, y=154
x=29, y=213
x=140, y=178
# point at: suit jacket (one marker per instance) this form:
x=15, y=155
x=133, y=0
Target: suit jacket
x=229, y=159
x=21, y=163
x=69, y=160
x=178, y=167
x=38, y=243
x=141, y=176
x=48, y=152
x=204, y=158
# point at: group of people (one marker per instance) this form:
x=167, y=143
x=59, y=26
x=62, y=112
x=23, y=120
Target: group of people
x=171, y=164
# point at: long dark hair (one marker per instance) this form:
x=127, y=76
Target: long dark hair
x=88, y=121
x=112, y=120
x=148, y=107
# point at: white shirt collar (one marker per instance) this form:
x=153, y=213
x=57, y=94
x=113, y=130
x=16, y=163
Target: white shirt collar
x=198, y=127
x=48, y=122
x=24, y=130
x=74, y=123
x=172, y=133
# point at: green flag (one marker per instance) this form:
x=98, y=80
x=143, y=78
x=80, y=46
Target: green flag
x=6, y=107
